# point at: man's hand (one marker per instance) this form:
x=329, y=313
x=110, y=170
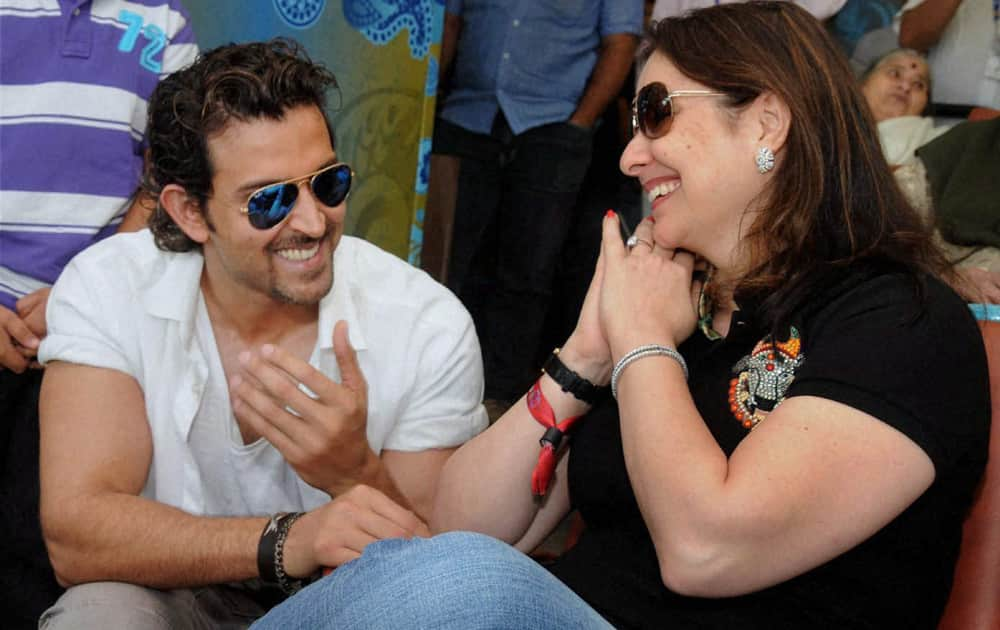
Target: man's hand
x=339, y=531
x=18, y=344
x=31, y=309
x=323, y=438
x=614, y=59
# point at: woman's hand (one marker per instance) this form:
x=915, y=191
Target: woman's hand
x=647, y=294
x=586, y=351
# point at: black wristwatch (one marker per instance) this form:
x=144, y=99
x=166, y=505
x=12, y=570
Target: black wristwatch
x=571, y=382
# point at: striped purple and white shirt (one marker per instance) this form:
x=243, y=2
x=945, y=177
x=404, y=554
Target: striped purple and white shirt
x=75, y=76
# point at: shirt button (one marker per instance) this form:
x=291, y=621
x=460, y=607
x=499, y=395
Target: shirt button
x=76, y=11
x=506, y=55
x=517, y=23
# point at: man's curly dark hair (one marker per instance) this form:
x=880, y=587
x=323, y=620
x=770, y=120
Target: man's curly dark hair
x=236, y=81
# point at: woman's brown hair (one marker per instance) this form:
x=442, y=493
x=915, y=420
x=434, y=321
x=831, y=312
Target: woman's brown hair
x=833, y=200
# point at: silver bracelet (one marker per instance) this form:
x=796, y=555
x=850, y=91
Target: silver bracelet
x=640, y=352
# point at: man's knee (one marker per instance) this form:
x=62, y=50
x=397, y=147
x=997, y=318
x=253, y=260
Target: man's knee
x=117, y=605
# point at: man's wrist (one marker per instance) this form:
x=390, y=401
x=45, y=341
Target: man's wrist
x=273, y=551
x=369, y=472
x=366, y=470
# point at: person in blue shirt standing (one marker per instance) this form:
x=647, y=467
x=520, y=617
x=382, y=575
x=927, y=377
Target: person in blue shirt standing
x=528, y=82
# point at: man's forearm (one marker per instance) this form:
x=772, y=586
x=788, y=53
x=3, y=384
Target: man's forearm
x=449, y=43
x=124, y=538
x=921, y=27
x=613, y=64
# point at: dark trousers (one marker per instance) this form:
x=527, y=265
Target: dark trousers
x=513, y=210
x=27, y=584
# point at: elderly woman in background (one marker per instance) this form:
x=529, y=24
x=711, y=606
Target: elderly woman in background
x=898, y=91
x=799, y=428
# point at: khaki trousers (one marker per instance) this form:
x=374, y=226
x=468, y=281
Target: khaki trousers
x=119, y=605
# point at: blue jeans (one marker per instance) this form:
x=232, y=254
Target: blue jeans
x=458, y=580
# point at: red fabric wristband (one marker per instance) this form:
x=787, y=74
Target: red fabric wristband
x=542, y=411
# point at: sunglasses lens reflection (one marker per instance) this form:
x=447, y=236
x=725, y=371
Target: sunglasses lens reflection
x=331, y=186
x=269, y=206
x=653, y=110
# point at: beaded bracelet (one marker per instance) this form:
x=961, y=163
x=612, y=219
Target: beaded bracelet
x=639, y=353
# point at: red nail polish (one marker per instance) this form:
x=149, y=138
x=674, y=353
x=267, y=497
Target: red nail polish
x=609, y=213
x=651, y=219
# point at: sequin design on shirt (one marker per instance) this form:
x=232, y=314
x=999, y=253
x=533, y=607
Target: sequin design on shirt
x=761, y=378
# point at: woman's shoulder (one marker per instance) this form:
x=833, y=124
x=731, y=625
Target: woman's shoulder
x=900, y=325
x=905, y=348
x=891, y=294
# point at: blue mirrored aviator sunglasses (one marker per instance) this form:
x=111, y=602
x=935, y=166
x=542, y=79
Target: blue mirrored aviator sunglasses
x=270, y=205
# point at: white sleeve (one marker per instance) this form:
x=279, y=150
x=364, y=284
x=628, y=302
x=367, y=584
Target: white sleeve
x=444, y=406
x=83, y=322
x=182, y=48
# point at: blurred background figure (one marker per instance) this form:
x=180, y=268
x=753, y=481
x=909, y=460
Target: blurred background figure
x=898, y=90
x=858, y=18
x=528, y=82
x=74, y=80
x=947, y=173
x=864, y=30
x=962, y=40
x=604, y=187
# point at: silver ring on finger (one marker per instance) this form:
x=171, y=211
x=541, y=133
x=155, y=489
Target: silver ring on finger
x=637, y=241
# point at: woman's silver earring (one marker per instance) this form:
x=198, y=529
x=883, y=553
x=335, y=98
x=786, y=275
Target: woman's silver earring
x=764, y=159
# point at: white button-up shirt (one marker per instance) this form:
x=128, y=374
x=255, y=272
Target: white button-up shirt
x=125, y=305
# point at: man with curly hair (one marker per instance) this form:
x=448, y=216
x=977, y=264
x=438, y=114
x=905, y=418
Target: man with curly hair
x=241, y=396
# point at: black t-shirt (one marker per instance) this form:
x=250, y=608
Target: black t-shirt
x=911, y=357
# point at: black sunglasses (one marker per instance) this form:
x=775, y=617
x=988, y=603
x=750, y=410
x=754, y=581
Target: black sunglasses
x=652, y=111
x=270, y=205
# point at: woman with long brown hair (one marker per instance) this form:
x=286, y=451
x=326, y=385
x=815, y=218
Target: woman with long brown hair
x=802, y=406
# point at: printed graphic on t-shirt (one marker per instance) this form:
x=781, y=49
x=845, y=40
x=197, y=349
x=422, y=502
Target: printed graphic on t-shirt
x=155, y=40
x=761, y=378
